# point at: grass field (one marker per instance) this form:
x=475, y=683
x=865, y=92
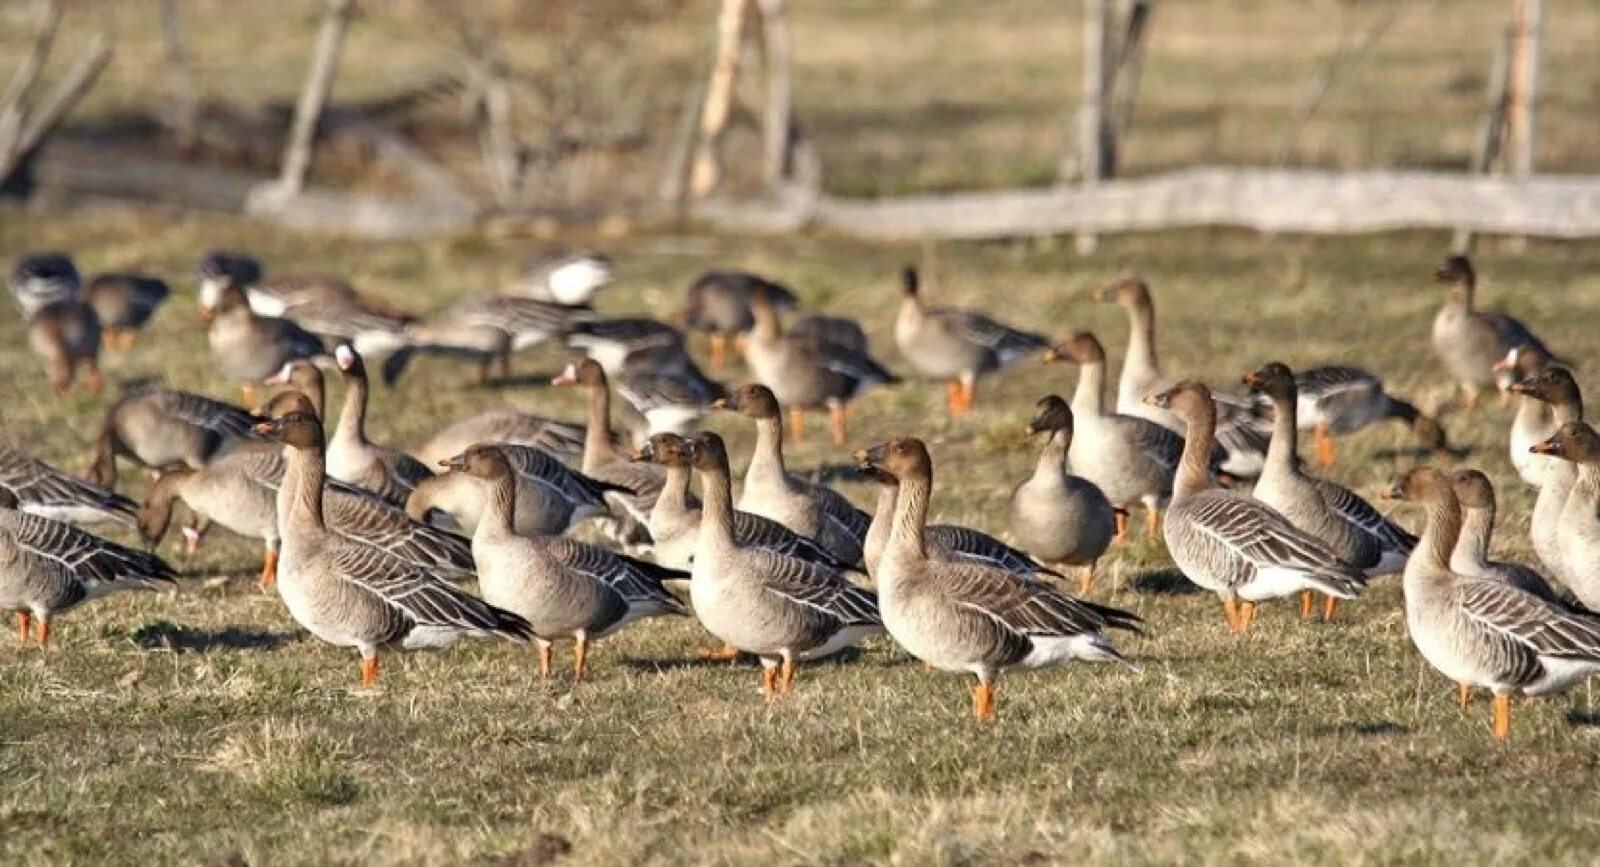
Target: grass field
x=207, y=728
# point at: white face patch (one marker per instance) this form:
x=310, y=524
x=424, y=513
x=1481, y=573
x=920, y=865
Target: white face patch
x=345, y=356
x=210, y=292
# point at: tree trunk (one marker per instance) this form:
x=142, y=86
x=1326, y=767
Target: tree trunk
x=319, y=83
x=183, y=115
x=714, y=113
x=777, y=124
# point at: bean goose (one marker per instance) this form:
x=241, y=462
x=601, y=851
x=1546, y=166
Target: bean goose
x=568, y=278
x=66, y=336
x=1555, y=387
x=806, y=373
x=1234, y=546
x=636, y=485
x=248, y=346
x=1469, y=341
x=612, y=342
x=551, y=497
x=1578, y=525
x=1483, y=632
x=955, y=344
x=1470, y=557
x=1056, y=516
x=1532, y=422
x=1348, y=525
x=779, y=608
x=945, y=541
x=50, y=493
x=354, y=595
x=352, y=457
x=48, y=567
x=160, y=427
x=562, y=439
x=814, y=511
x=302, y=375
x=124, y=303
x=562, y=587
x=1338, y=399
x=1130, y=459
x=41, y=279
x=962, y=616
x=718, y=303
x=486, y=329
x=1241, y=436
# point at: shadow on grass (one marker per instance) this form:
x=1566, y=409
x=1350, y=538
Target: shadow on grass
x=1162, y=582
x=1584, y=717
x=521, y=380
x=1377, y=727
x=848, y=656
x=164, y=635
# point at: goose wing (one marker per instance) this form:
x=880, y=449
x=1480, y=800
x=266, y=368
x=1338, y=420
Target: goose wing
x=1029, y=608
x=421, y=597
x=365, y=520
x=634, y=580
x=538, y=468
x=1354, y=510
x=845, y=362
x=1007, y=343
x=1541, y=626
x=983, y=548
x=1161, y=445
x=39, y=486
x=815, y=587
x=98, y=564
x=1244, y=537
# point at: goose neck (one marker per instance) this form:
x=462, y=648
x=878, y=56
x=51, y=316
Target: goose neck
x=1194, y=469
x=300, y=493
x=1471, y=552
x=1088, y=399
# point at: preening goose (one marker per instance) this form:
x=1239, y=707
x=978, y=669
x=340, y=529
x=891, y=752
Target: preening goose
x=551, y=497
x=250, y=347
x=562, y=587
x=636, y=484
x=50, y=493
x=955, y=344
x=1483, y=632
x=1056, y=516
x=1339, y=399
x=569, y=278
x=815, y=511
x=41, y=279
x=1555, y=387
x=1470, y=341
x=160, y=427
x=354, y=595
x=48, y=567
x=779, y=608
x=945, y=541
x=562, y=439
x=124, y=303
x=1470, y=557
x=1234, y=546
x=1533, y=422
x=718, y=303
x=1348, y=525
x=1130, y=459
x=961, y=616
x=1577, y=530
x=352, y=456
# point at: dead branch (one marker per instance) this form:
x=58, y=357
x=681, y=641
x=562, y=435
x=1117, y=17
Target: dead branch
x=319, y=84
x=1345, y=58
x=23, y=128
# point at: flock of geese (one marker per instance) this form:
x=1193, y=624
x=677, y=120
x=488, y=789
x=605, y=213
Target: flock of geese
x=369, y=546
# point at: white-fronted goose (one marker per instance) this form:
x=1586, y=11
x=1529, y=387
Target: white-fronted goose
x=303, y=375
x=806, y=373
x=661, y=402
x=66, y=336
x=48, y=492
x=552, y=498
x=718, y=304
x=1555, y=387
x=814, y=511
x=944, y=541
x=1470, y=341
x=1470, y=557
x=48, y=567
x=486, y=329
x=41, y=279
x=1130, y=459
x=777, y=607
x=1056, y=516
x=961, y=616
x=1339, y=399
x=352, y=457
x=1577, y=531
x=160, y=427
x=250, y=347
x=1234, y=546
x=1533, y=422
x=563, y=439
x=354, y=595
x=568, y=278
x=1348, y=525
x=1483, y=632
x=956, y=345
x=604, y=462
x=562, y=587
x=124, y=303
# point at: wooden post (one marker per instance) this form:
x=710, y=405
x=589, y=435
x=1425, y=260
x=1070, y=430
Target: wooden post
x=1492, y=132
x=777, y=121
x=714, y=113
x=1093, y=150
x=1135, y=26
x=185, y=109
x=319, y=83
x=1527, y=26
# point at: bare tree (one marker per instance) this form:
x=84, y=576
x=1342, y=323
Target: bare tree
x=319, y=83
x=24, y=124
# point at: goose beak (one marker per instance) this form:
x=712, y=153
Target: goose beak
x=1548, y=447
x=265, y=428
x=566, y=377
x=1395, y=492
x=1161, y=399
x=1053, y=354
x=720, y=403
x=1520, y=388
x=459, y=462
x=1252, y=379
x=871, y=458
x=1503, y=365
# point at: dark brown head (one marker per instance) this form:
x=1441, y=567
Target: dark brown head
x=1473, y=489
x=1574, y=441
x=231, y=301
x=349, y=361
x=1130, y=292
x=666, y=449
x=910, y=282
x=1421, y=485
x=1188, y=399
x=583, y=372
x=1455, y=270
x=754, y=400
x=709, y=452
x=1553, y=385
x=1082, y=348
x=1273, y=379
x=481, y=461
x=299, y=374
x=298, y=428
x=286, y=403
x=1430, y=433
x=902, y=457
x=1051, y=414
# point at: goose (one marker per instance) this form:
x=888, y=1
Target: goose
x=303, y=376
x=675, y=520
x=41, y=279
x=1335, y=515
x=354, y=595
x=806, y=373
x=551, y=497
x=66, y=336
x=1532, y=422
x=778, y=608
x=160, y=427
x=1469, y=341
x=1340, y=399
x=562, y=587
x=1240, y=434
x=838, y=330
x=1236, y=547
x=1130, y=459
x=955, y=344
x=1482, y=632
x=1555, y=387
x=124, y=303
x=563, y=439
x=48, y=567
x=568, y=278
x=50, y=493
x=636, y=484
x=1056, y=516
x=962, y=616
x=1577, y=529
x=352, y=457
x=945, y=541
x=655, y=401
x=249, y=347
x=486, y=329
x=814, y=511
x=719, y=303
x=613, y=342
x=1470, y=557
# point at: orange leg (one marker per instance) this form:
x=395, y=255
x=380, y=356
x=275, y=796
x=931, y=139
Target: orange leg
x=1086, y=580
x=836, y=416
x=1306, y=600
x=1502, y=717
x=247, y=393
x=24, y=626
x=1247, y=613
x=1329, y=606
x=725, y=653
x=1463, y=695
x=580, y=653
x=44, y=633
x=1471, y=399
x=1230, y=612
x=983, y=703
x=786, y=677
x=505, y=366
x=1324, y=446
x=1152, y=523
x=952, y=392
x=108, y=339
x=269, y=569
x=769, y=681
x=369, y=670
x=544, y=661
x=1122, y=528
x=797, y=423
x=719, y=351
x=127, y=338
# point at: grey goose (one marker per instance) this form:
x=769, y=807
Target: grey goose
x=955, y=344
x=1469, y=341
x=1056, y=516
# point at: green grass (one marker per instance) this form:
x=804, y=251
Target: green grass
x=207, y=727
